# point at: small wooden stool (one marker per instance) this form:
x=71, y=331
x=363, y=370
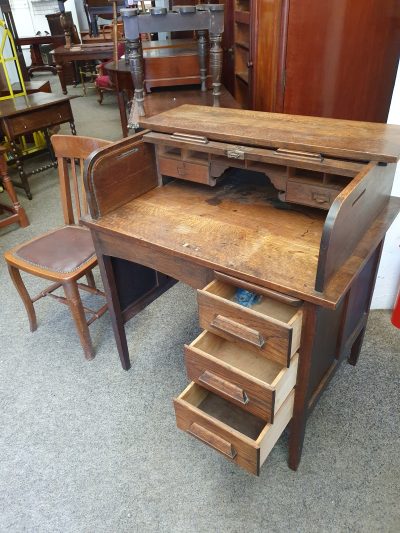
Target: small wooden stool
x=18, y=214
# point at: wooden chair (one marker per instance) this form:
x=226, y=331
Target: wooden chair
x=64, y=255
x=18, y=214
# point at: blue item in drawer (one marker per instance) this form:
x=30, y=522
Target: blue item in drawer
x=246, y=298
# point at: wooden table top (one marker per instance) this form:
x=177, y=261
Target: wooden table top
x=242, y=231
x=40, y=39
x=84, y=49
x=342, y=138
x=21, y=104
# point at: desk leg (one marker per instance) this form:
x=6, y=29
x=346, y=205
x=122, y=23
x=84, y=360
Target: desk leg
x=114, y=306
x=216, y=65
x=298, y=423
x=61, y=76
x=122, y=113
x=24, y=178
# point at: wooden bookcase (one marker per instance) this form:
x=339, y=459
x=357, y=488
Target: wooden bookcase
x=307, y=57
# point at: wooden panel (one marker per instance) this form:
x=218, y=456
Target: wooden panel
x=132, y=161
x=342, y=58
x=349, y=139
x=350, y=217
x=266, y=328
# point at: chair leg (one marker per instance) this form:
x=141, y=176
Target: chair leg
x=78, y=314
x=90, y=280
x=100, y=95
x=20, y=286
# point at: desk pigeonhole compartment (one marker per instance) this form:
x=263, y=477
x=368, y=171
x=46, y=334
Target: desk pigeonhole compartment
x=241, y=376
x=238, y=435
x=270, y=327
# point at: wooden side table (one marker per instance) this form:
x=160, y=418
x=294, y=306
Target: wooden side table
x=18, y=214
x=27, y=114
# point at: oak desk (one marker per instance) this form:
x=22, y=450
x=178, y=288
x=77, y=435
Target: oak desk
x=292, y=208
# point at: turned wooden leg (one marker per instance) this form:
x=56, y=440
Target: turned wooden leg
x=202, y=47
x=90, y=280
x=78, y=314
x=20, y=286
x=216, y=65
x=136, y=63
x=18, y=161
x=61, y=76
x=19, y=210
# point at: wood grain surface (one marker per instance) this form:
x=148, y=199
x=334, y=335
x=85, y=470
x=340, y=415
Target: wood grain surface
x=343, y=138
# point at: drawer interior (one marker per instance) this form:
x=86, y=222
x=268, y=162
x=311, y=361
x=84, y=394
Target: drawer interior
x=216, y=407
x=267, y=306
x=238, y=357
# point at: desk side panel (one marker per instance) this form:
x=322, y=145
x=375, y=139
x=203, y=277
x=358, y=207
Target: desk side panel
x=350, y=216
x=117, y=174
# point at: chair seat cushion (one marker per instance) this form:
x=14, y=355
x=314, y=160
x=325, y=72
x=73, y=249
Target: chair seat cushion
x=63, y=250
x=103, y=82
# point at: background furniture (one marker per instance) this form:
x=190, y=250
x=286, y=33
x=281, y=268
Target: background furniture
x=63, y=57
x=157, y=101
x=29, y=114
x=226, y=229
x=18, y=214
x=34, y=42
x=310, y=57
x=202, y=18
x=64, y=255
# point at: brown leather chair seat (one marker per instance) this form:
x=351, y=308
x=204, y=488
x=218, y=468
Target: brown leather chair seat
x=49, y=250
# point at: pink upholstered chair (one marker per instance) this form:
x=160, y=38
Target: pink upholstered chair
x=103, y=82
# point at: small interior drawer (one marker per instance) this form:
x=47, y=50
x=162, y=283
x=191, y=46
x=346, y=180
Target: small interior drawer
x=240, y=375
x=270, y=327
x=177, y=168
x=314, y=195
x=238, y=435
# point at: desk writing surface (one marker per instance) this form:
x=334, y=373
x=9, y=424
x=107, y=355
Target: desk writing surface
x=343, y=138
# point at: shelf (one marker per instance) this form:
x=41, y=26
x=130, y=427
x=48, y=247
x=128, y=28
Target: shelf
x=243, y=76
x=242, y=16
x=246, y=46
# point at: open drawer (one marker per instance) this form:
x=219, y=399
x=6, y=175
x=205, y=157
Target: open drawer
x=245, y=378
x=271, y=327
x=238, y=435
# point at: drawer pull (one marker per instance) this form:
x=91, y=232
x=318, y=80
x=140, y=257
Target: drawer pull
x=216, y=442
x=181, y=170
x=244, y=333
x=186, y=137
x=297, y=153
x=320, y=198
x=222, y=385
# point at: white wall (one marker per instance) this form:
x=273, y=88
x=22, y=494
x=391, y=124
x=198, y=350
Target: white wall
x=388, y=280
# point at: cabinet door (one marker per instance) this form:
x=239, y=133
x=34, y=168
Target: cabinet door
x=341, y=58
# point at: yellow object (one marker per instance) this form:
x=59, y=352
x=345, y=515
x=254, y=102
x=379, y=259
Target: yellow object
x=8, y=56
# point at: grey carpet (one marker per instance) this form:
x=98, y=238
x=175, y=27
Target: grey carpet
x=87, y=447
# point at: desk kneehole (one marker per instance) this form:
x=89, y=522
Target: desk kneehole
x=241, y=376
x=271, y=327
x=238, y=435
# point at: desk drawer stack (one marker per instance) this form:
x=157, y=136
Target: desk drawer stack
x=243, y=368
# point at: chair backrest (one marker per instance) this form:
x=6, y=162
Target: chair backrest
x=71, y=152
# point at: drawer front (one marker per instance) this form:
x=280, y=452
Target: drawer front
x=312, y=195
x=230, y=384
x=242, y=450
x=277, y=340
x=187, y=171
x=40, y=119
x=230, y=443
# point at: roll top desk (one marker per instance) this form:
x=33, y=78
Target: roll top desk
x=294, y=209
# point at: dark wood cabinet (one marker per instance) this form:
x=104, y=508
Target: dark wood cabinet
x=334, y=59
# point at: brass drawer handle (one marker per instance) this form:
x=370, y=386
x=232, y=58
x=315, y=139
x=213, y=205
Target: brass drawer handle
x=244, y=333
x=225, y=387
x=215, y=441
